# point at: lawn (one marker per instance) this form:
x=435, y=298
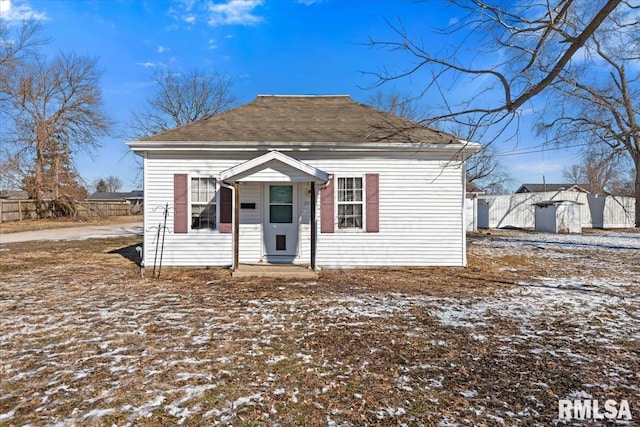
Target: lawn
x=534, y=318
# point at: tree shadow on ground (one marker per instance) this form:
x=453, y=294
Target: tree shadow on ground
x=129, y=252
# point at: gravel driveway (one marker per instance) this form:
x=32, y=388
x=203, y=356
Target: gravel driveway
x=133, y=229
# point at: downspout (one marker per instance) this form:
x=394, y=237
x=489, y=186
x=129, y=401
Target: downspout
x=145, y=206
x=233, y=208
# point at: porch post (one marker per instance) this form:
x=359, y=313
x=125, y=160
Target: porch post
x=236, y=225
x=314, y=227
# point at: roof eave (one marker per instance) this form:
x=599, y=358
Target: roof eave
x=463, y=147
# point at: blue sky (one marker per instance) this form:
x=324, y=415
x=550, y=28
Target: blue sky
x=266, y=46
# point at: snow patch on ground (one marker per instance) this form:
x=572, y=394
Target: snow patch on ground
x=160, y=353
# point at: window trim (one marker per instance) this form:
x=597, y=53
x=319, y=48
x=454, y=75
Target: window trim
x=217, y=197
x=363, y=202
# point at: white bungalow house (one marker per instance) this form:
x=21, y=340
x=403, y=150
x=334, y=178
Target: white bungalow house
x=322, y=181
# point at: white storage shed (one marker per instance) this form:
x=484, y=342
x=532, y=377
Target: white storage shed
x=558, y=216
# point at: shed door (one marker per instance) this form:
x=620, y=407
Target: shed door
x=281, y=222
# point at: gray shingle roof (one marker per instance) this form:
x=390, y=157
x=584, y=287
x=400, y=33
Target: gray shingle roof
x=473, y=188
x=294, y=119
x=119, y=195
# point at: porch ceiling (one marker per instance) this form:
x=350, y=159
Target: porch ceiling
x=273, y=167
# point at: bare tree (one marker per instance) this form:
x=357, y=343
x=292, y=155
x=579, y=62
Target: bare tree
x=575, y=174
x=623, y=185
x=53, y=107
x=600, y=171
x=113, y=183
x=18, y=45
x=485, y=170
x=180, y=99
x=596, y=101
x=101, y=185
x=581, y=49
x=536, y=39
x=395, y=103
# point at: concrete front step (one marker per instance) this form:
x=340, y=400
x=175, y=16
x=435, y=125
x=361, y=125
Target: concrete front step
x=285, y=271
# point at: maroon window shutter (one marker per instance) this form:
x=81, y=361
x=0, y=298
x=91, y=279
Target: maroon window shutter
x=226, y=210
x=327, y=214
x=180, y=203
x=373, y=202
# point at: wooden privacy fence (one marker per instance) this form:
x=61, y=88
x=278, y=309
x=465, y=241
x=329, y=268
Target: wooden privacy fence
x=517, y=210
x=18, y=210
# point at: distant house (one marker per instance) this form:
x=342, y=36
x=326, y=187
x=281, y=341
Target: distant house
x=135, y=198
x=543, y=188
x=106, y=196
x=314, y=180
x=14, y=195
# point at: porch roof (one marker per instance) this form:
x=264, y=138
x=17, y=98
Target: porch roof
x=273, y=167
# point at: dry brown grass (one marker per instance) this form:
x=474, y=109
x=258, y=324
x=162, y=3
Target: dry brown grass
x=82, y=332
x=49, y=223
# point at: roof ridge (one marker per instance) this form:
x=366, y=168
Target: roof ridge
x=275, y=95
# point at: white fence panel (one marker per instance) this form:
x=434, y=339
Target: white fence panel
x=518, y=211
x=619, y=212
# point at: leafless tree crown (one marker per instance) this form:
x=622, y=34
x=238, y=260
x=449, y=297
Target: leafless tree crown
x=536, y=38
x=180, y=99
x=581, y=55
x=50, y=108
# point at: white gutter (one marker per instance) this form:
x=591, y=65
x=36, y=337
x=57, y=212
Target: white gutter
x=466, y=148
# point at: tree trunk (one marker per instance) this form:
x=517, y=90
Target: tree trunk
x=38, y=182
x=636, y=161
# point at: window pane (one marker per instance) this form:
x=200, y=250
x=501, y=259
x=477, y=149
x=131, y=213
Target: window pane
x=194, y=190
x=281, y=194
x=349, y=189
x=350, y=213
x=281, y=214
x=203, y=216
x=203, y=190
x=211, y=189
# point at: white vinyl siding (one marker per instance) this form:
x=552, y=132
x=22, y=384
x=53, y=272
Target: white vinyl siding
x=420, y=211
x=420, y=208
x=189, y=249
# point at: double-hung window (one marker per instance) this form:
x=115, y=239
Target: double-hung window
x=203, y=203
x=350, y=203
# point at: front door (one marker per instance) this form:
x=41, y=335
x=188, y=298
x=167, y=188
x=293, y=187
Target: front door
x=281, y=222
